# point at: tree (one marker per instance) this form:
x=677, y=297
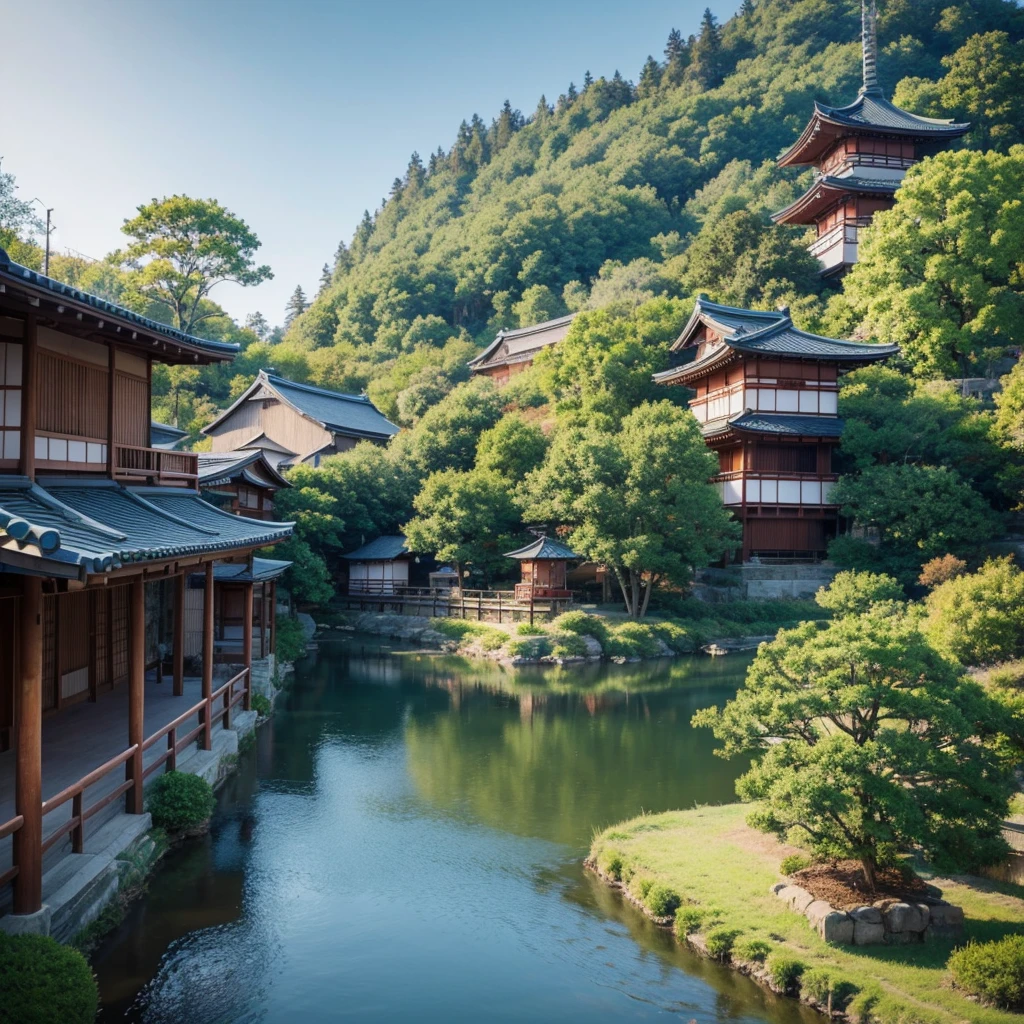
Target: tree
x=257, y=323
x=17, y=218
x=296, y=305
x=675, y=58
x=940, y=570
x=939, y=272
x=636, y=499
x=851, y=593
x=979, y=618
x=706, y=60
x=746, y=9
x=326, y=277
x=650, y=78
x=182, y=248
x=511, y=448
x=866, y=741
x=467, y=518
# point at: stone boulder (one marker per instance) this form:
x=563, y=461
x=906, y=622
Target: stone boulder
x=906, y=917
x=868, y=926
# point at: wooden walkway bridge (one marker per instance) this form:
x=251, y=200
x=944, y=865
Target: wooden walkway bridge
x=499, y=606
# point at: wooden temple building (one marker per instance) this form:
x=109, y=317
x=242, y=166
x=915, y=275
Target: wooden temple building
x=543, y=566
x=379, y=567
x=511, y=352
x=297, y=424
x=860, y=154
x=243, y=482
x=94, y=522
x=766, y=397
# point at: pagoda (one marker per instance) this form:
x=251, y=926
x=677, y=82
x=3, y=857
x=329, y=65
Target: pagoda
x=860, y=153
x=767, y=403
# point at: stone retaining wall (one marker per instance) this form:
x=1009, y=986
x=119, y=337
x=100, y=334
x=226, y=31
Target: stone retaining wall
x=889, y=922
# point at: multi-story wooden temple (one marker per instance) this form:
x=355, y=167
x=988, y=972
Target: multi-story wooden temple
x=296, y=424
x=95, y=523
x=860, y=154
x=767, y=402
x=511, y=352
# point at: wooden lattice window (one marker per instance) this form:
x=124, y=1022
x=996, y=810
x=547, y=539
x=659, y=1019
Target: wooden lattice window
x=119, y=634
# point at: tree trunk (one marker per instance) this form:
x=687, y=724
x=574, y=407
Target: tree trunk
x=647, y=598
x=625, y=591
x=868, y=866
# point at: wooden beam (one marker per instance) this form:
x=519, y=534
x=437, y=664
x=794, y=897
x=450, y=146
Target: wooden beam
x=29, y=398
x=136, y=691
x=247, y=644
x=207, y=653
x=28, y=786
x=178, y=653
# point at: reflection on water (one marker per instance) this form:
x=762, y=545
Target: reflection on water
x=404, y=844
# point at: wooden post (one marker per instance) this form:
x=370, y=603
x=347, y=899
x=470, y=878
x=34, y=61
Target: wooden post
x=111, y=374
x=207, y=655
x=93, y=598
x=28, y=719
x=136, y=691
x=272, y=616
x=178, y=654
x=264, y=649
x=247, y=646
x=29, y=398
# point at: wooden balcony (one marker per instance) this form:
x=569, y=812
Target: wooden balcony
x=158, y=466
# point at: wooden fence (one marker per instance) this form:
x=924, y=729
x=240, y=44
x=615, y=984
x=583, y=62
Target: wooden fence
x=481, y=605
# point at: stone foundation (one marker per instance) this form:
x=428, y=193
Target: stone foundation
x=888, y=922
x=750, y=581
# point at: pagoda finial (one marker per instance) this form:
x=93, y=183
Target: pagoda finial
x=869, y=45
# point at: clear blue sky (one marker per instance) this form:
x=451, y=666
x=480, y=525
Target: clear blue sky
x=297, y=116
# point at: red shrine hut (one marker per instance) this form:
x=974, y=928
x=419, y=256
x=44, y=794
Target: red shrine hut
x=860, y=153
x=543, y=568
x=767, y=402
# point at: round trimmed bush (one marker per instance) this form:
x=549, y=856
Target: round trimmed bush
x=43, y=982
x=688, y=920
x=720, y=942
x=992, y=971
x=662, y=901
x=793, y=863
x=180, y=802
x=785, y=971
x=753, y=949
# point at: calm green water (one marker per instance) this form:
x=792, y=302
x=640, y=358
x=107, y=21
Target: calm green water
x=404, y=844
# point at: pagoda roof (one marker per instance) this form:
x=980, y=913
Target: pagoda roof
x=828, y=190
x=523, y=344
x=71, y=528
x=541, y=550
x=776, y=425
x=116, y=323
x=248, y=464
x=760, y=332
x=381, y=549
x=335, y=411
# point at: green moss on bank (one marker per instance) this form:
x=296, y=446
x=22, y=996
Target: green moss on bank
x=723, y=872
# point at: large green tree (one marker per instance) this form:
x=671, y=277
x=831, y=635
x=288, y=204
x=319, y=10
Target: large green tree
x=940, y=273
x=182, y=248
x=867, y=742
x=636, y=499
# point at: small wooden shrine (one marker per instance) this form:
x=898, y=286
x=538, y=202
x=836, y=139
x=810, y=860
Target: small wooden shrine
x=511, y=352
x=543, y=565
x=861, y=153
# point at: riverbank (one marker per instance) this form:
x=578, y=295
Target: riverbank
x=723, y=872
x=579, y=636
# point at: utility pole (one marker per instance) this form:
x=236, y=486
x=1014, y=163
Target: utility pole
x=50, y=228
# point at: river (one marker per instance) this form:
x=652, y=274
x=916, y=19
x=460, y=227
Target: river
x=404, y=843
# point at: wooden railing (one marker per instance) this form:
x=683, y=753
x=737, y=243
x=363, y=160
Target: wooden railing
x=8, y=828
x=155, y=465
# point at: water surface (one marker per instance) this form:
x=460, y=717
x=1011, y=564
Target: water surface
x=404, y=843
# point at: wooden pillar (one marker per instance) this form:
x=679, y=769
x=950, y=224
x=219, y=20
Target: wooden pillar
x=93, y=682
x=272, y=617
x=207, y=653
x=264, y=620
x=136, y=691
x=28, y=724
x=29, y=398
x=247, y=645
x=178, y=653
x=111, y=375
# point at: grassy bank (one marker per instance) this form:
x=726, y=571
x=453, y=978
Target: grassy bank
x=722, y=872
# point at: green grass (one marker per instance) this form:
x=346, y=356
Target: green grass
x=716, y=863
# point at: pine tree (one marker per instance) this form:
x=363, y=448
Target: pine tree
x=572, y=95
x=326, y=277
x=415, y=174
x=650, y=78
x=296, y=305
x=676, y=58
x=588, y=80
x=361, y=239
x=620, y=91
x=707, y=52
x=257, y=323
x=342, y=259
x=543, y=111
x=747, y=8
x=397, y=188
x=505, y=126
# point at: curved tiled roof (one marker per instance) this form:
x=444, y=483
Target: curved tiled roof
x=543, y=548
x=94, y=527
x=523, y=343
x=776, y=424
x=828, y=190
x=381, y=549
x=239, y=572
x=220, y=467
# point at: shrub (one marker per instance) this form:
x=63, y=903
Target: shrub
x=793, y=863
x=632, y=640
x=494, y=639
x=938, y=570
x=530, y=647
x=610, y=862
x=688, y=920
x=261, y=705
x=582, y=624
x=569, y=645
x=720, y=942
x=289, y=639
x=992, y=971
x=754, y=949
x=662, y=901
x=785, y=971
x=861, y=1008
x=852, y=593
x=642, y=887
x=459, y=629
x=676, y=636
x=826, y=988
x=44, y=982
x=526, y=629
x=180, y=802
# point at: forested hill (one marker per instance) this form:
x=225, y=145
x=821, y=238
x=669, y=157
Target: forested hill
x=613, y=190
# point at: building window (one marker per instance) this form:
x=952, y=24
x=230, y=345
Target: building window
x=10, y=401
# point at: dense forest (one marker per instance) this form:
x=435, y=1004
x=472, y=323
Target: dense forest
x=622, y=201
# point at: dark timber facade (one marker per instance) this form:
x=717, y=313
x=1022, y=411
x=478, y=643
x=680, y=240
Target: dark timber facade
x=860, y=154
x=766, y=397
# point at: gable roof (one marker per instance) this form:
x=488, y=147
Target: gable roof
x=335, y=411
x=522, y=344
x=64, y=301
x=248, y=464
x=381, y=549
x=163, y=435
x=764, y=332
x=542, y=549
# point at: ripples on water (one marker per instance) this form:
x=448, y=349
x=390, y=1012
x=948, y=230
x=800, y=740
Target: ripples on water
x=404, y=843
